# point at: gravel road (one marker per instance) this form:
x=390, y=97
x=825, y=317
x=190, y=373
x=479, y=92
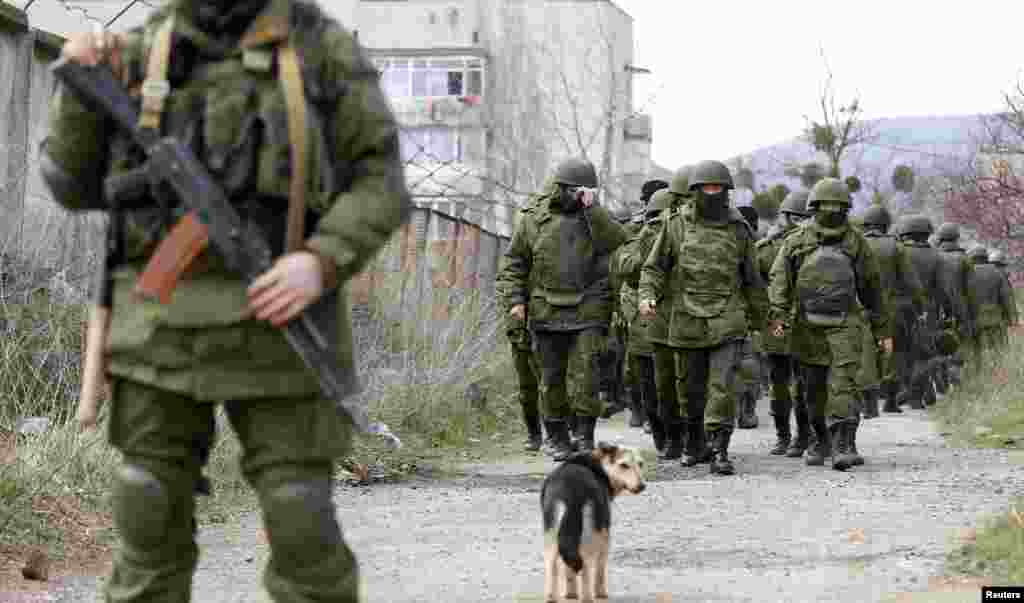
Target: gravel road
x=776, y=531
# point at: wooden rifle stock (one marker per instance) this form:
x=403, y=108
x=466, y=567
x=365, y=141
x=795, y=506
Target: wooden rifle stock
x=172, y=257
x=93, y=366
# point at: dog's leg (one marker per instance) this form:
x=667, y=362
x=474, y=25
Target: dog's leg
x=570, y=580
x=602, y=542
x=587, y=579
x=551, y=563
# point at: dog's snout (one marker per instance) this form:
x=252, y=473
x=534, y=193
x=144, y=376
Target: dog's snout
x=640, y=488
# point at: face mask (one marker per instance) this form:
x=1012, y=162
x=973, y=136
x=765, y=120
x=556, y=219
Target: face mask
x=568, y=202
x=713, y=207
x=830, y=219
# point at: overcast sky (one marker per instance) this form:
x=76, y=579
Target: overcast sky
x=730, y=77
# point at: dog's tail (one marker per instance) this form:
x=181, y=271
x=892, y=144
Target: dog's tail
x=570, y=535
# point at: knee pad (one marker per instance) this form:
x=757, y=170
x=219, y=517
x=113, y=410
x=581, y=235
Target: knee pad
x=299, y=517
x=143, y=506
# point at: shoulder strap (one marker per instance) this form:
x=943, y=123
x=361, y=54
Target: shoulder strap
x=155, y=87
x=295, y=103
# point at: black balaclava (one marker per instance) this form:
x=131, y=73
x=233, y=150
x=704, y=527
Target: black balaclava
x=712, y=207
x=831, y=214
x=224, y=17
x=567, y=201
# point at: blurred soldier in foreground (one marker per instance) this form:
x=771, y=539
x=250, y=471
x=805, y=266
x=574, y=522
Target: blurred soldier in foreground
x=705, y=256
x=822, y=271
x=556, y=267
x=781, y=364
x=219, y=339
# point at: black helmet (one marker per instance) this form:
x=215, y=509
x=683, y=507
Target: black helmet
x=795, y=203
x=915, y=224
x=649, y=188
x=711, y=172
x=877, y=215
x=576, y=172
x=949, y=232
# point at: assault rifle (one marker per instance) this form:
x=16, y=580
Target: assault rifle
x=210, y=219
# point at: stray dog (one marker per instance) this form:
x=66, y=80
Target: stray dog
x=576, y=502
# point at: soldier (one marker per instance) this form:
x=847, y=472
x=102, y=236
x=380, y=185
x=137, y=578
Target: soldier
x=557, y=269
x=823, y=269
x=995, y=307
x=641, y=351
x=957, y=296
x=906, y=299
x=219, y=339
x=781, y=365
x=998, y=259
x=748, y=373
x=914, y=232
x=705, y=256
x=521, y=343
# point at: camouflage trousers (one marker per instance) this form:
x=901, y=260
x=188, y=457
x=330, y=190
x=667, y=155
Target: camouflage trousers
x=288, y=450
x=830, y=377
x=665, y=383
x=908, y=351
x=561, y=353
x=526, y=371
x=706, y=384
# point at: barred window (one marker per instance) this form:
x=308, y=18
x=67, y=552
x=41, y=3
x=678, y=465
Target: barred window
x=431, y=77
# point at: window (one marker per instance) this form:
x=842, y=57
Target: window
x=434, y=143
x=450, y=76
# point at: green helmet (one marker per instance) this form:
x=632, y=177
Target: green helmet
x=660, y=201
x=978, y=253
x=877, y=215
x=949, y=232
x=828, y=189
x=997, y=257
x=711, y=172
x=576, y=172
x=915, y=224
x=680, y=184
x=795, y=203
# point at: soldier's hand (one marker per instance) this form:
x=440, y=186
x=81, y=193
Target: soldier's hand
x=91, y=48
x=885, y=345
x=647, y=308
x=518, y=312
x=295, y=281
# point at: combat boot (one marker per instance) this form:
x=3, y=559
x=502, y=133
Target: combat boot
x=574, y=433
x=697, y=448
x=720, y=463
x=929, y=397
x=657, y=430
x=780, y=414
x=636, y=411
x=674, y=441
x=870, y=398
x=586, y=427
x=891, y=403
x=803, y=432
x=822, y=446
x=747, y=418
x=842, y=458
x=857, y=458
x=534, y=438
x=558, y=431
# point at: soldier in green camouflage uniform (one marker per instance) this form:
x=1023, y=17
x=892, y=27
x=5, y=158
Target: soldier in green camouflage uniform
x=748, y=373
x=218, y=339
x=620, y=382
x=781, y=364
x=823, y=269
x=995, y=309
x=958, y=298
x=907, y=301
x=557, y=274
x=705, y=256
x=998, y=259
x=629, y=262
x=523, y=359
x=913, y=232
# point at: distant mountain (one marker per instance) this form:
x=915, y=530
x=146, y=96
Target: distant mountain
x=931, y=145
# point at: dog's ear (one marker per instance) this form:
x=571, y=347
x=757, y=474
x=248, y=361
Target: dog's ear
x=607, y=449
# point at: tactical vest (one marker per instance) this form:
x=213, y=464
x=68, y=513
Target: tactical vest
x=564, y=265
x=708, y=259
x=257, y=123
x=826, y=286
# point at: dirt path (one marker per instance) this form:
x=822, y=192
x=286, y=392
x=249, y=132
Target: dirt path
x=776, y=531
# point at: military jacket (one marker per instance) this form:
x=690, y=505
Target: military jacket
x=558, y=265
x=899, y=279
x=515, y=329
x=227, y=100
x=767, y=249
x=958, y=297
x=994, y=303
x=802, y=242
x=928, y=266
x=716, y=292
x=655, y=328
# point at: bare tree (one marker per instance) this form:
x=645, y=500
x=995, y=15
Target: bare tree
x=840, y=126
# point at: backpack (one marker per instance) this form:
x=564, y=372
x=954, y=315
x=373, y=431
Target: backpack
x=826, y=286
